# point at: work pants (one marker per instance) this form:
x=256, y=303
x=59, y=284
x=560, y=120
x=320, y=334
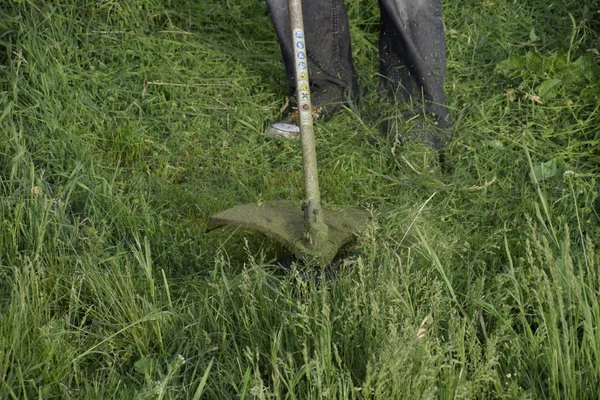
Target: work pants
x=412, y=52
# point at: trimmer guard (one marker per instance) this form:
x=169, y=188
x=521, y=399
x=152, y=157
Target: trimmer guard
x=284, y=221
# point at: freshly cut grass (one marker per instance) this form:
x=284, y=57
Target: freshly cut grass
x=125, y=125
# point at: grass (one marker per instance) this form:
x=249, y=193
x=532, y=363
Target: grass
x=125, y=125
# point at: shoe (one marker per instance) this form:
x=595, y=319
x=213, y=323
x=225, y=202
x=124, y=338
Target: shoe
x=418, y=143
x=287, y=127
x=416, y=130
x=420, y=158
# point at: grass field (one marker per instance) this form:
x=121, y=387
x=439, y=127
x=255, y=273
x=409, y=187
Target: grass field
x=125, y=124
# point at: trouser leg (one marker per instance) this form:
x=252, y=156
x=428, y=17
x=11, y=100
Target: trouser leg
x=413, y=57
x=330, y=65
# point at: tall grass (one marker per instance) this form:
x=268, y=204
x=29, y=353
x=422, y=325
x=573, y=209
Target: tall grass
x=124, y=125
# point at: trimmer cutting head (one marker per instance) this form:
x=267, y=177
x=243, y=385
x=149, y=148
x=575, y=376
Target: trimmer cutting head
x=285, y=222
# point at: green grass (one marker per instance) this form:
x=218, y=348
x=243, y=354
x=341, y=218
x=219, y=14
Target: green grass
x=125, y=125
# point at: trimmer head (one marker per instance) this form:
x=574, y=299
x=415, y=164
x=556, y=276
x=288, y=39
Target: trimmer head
x=285, y=222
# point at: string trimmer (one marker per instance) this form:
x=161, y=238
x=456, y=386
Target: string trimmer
x=312, y=233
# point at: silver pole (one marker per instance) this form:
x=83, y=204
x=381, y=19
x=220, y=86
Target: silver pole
x=313, y=214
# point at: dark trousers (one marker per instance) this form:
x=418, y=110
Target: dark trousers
x=412, y=50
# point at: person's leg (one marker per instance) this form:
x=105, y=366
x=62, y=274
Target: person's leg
x=329, y=56
x=413, y=64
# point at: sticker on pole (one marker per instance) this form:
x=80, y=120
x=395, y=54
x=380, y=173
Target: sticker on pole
x=306, y=117
x=298, y=34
